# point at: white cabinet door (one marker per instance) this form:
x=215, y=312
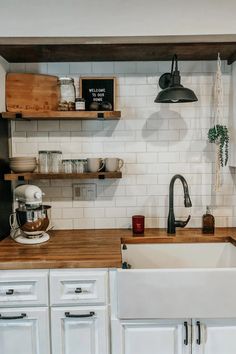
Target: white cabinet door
x=81, y=330
x=214, y=336
x=24, y=331
x=151, y=337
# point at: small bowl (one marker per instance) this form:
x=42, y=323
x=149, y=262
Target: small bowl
x=20, y=168
x=18, y=159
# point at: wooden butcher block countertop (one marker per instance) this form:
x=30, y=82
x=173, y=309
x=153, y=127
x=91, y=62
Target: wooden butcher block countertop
x=93, y=248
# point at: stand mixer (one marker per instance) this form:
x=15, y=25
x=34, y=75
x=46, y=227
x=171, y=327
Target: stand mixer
x=30, y=221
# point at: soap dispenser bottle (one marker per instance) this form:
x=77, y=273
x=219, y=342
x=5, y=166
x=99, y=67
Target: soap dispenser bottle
x=208, y=222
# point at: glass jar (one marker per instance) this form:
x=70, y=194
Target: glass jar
x=80, y=104
x=80, y=166
x=67, y=166
x=55, y=161
x=44, y=161
x=67, y=89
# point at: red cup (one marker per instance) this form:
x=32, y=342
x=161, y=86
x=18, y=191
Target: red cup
x=138, y=224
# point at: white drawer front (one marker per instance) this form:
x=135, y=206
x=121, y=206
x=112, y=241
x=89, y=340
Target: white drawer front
x=23, y=288
x=80, y=330
x=78, y=287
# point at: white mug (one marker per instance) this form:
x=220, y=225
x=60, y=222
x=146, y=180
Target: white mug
x=95, y=164
x=113, y=164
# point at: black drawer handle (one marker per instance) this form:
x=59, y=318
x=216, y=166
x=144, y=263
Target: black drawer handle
x=10, y=292
x=13, y=317
x=90, y=314
x=199, y=332
x=78, y=290
x=186, y=333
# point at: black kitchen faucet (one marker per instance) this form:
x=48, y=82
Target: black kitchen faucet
x=172, y=223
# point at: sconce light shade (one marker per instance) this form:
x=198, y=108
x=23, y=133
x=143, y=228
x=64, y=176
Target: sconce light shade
x=172, y=90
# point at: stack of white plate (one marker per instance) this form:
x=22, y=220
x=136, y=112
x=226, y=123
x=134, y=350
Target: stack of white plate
x=23, y=164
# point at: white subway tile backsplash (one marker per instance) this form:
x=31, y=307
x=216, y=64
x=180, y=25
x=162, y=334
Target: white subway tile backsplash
x=126, y=90
x=105, y=223
x=63, y=224
x=145, y=90
x=147, y=67
x=73, y=213
x=135, y=80
x=102, y=68
x=35, y=136
x=25, y=148
x=48, y=126
x=146, y=179
x=26, y=126
x=84, y=223
x=155, y=140
x=136, y=190
x=59, y=69
x=17, y=67
x=70, y=125
x=36, y=68
x=80, y=68
x=115, y=212
x=169, y=157
x=135, y=147
x=114, y=147
x=94, y=212
x=125, y=201
x=90, y=147
x=129, y=67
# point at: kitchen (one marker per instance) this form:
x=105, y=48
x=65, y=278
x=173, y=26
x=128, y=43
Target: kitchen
x=70, y=292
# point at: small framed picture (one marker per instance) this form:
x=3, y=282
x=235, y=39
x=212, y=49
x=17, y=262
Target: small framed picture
x=98, y=92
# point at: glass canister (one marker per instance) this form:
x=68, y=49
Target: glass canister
x=55, y=161
x=67, y=166
x=80, y=166
x=80, y=104
x=44, y=161
x=67, y=89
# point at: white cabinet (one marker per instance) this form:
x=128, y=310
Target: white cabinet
x=78, y=287
x=214, y=336
x=79, y=312
x=197, y=336
x=81, y=330
x=151, y=337
x=19, y=288
x=24, y=331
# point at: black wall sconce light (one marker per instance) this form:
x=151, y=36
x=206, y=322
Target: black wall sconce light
x=172, y=90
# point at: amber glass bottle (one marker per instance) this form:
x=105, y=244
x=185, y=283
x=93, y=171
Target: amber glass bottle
x=208, y=222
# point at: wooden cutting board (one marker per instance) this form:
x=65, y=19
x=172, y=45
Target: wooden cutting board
x=31, y=92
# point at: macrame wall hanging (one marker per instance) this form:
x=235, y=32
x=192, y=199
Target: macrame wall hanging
x=218, y=134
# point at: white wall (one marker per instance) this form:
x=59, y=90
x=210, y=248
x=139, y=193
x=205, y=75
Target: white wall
x=116, y=17
x=4, y=67
x=155, y=140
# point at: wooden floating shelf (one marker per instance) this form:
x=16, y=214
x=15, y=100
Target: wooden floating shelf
x=131, y=48
x=62, y=115
x=33, y=176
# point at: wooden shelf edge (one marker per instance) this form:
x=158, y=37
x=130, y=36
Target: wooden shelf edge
x=35, y=176
x=55, y=115
x=130, y=48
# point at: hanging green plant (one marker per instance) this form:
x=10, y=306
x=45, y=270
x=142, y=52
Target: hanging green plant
x=220, y=136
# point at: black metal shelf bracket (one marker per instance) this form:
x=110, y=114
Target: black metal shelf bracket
x=100, y=116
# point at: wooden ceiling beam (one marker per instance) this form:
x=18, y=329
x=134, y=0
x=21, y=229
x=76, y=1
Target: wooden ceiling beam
x=21, y=53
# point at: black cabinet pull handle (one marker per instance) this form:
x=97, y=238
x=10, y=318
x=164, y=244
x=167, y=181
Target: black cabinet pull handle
x=199, y=332
x=186, y=333
x=78, y=290
x=90, y=314
x=10, y=292
x=13, y=317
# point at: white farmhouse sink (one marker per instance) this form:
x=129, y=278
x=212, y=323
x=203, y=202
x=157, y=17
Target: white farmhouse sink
x=182, y=255
x=178, y=281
